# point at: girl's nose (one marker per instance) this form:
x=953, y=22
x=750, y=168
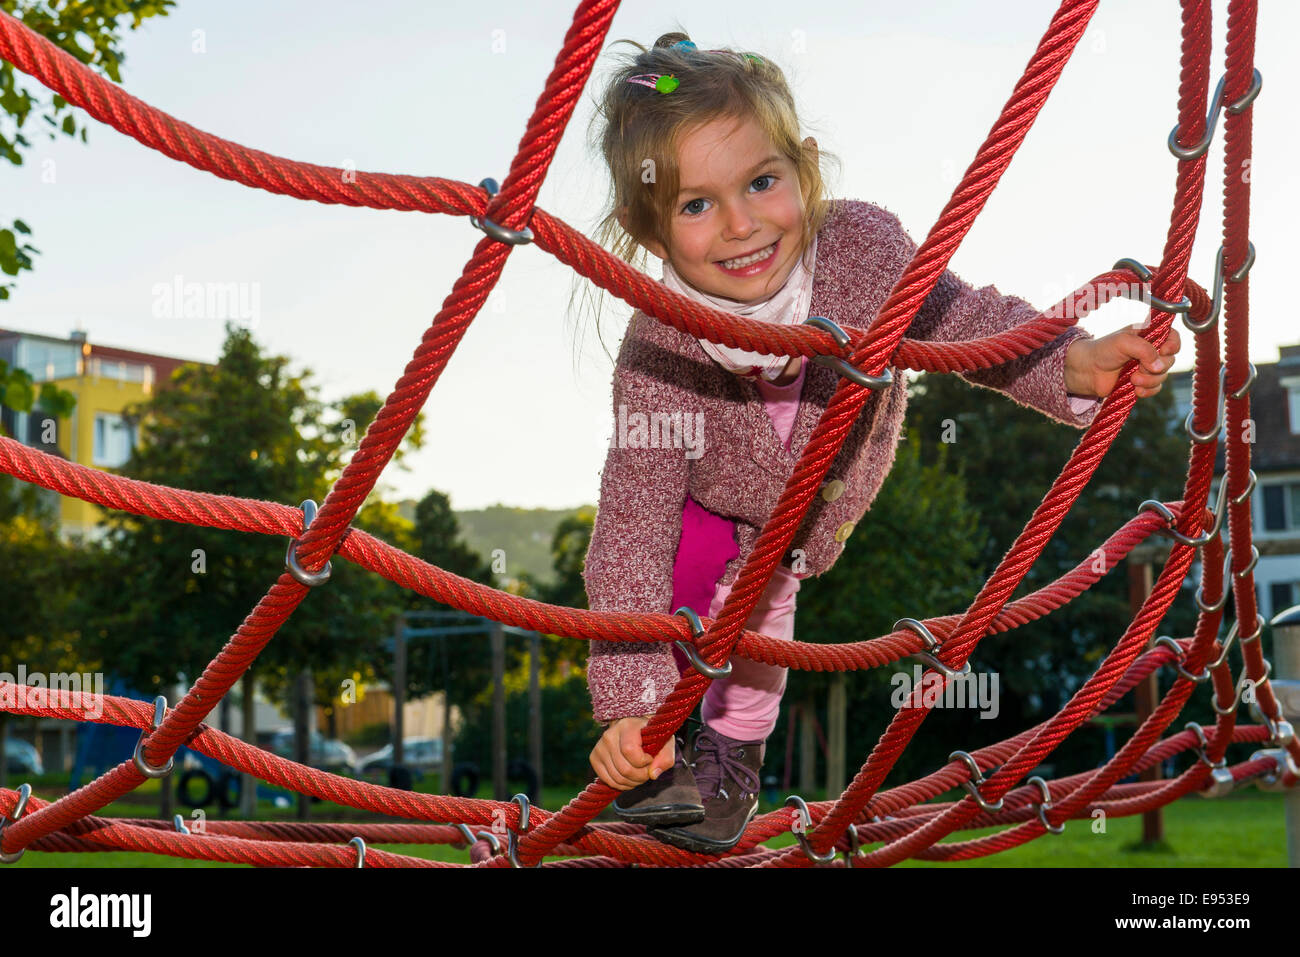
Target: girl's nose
x=740, y=222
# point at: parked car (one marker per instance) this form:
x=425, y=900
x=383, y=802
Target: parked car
x=328, y=754
x=22, y=758
x=420, y=755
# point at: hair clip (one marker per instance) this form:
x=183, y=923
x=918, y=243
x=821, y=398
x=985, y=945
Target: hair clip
x=663, y=82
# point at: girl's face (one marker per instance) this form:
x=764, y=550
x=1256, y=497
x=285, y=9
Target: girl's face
x=737, y=225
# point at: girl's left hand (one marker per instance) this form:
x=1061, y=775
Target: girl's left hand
x=1092, y=365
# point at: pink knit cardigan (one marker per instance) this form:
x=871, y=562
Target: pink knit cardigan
x=711, y=438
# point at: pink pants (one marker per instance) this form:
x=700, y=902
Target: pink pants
x=744, y=704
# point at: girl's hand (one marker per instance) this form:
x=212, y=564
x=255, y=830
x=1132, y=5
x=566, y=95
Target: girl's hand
x=618, y=759
x=1092, y=365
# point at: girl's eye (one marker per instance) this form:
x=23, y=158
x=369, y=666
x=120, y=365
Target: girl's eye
x=768, y=177
x=689, y=209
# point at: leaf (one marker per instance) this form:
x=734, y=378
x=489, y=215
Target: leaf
x=70, y=125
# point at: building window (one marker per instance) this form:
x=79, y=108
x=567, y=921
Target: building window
x=114, y=439
x=1293, y=403
x=1281, y=507
x=1283, y=595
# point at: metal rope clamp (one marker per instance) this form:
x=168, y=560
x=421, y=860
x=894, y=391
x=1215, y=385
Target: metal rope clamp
x=471, y=838
x=1160, y=508
x=1177, y=649
x=310, y=579
x=1212, y=118
x=805, y=819
x=927, y=657
x=360, y=845
x=511, y=237
x=178, y=822
x=854, y=843
x=148, y=770
x=973, y=783
x=692, y=653
x=1221, y=781
x=1272, y=780
x=1045, y=805
x=24, y=793
x=1280, y=731
x=1244, y=682
x=513, y=843
x=840, y=364
x=1183, y=305
x=1216, y=302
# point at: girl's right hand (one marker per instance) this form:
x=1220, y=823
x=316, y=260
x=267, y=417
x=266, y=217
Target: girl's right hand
x=618, y=759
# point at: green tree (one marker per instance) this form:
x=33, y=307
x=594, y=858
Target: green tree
x=90, y=30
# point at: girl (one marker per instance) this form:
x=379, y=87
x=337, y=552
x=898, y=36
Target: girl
x=710, y=176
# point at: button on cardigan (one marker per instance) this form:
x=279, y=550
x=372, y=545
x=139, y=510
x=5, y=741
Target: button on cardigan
x=710, y=436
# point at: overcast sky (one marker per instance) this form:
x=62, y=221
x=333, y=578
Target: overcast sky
x=902, y=93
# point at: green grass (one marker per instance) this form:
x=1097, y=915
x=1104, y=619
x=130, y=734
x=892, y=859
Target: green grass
x=1244, y=829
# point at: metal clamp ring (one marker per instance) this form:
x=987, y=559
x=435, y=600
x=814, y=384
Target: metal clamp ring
x=692, y=653
x=972, y=783
x=1201, y=603
x=1137, y=267
x=854, y=844
x=1204, y=745
x=1259, y=628
x=1256, y=84
x=1244, y=268
x=1250, y=565
x=1216, y=301
x=178, y=822
x=492, y=839
x=1240, y=391
x=796, y=801
x=291, y=565
x=1153, y=505
x=1203, y=438
x=841, y=365
x=24, y=793
x=513, y=843
x=1183, y=306
x=1212, y=118
x=511, y=237
x=1245, y=493
x=1177, y=649
x=927, y=657
x=1244, y=682
x=1045, y=805
x=148, y=770
x=360, y=845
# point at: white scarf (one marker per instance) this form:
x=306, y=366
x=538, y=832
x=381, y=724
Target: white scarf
x=787, y=306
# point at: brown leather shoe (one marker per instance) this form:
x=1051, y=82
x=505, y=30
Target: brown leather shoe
x=670, y=799
x=726, y=772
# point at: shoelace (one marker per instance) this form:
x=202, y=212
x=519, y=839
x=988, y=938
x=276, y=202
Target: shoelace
x=716, y=764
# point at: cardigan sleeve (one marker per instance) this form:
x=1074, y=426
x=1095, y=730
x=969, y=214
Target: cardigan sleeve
x=629, y=564
x=956, y=311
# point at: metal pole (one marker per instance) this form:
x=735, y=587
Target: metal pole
x=1146, y=692
x=535, y=708
x=498, y=711
x=399, y=689
x=1286, y=686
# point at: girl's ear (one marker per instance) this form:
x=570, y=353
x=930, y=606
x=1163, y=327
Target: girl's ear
x=810, y=145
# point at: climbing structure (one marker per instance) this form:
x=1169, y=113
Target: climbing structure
x=899, y=819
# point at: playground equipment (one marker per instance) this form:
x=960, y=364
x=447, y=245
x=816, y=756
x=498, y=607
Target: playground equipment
x=898, y=818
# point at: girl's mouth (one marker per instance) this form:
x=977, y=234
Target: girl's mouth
x=751, y=265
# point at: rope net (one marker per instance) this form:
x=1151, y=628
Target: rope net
x=900, y=819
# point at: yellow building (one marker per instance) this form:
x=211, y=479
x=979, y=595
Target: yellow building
x=104, y=380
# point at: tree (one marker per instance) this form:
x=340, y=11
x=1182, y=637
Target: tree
x=174, y=592
x=90, y=30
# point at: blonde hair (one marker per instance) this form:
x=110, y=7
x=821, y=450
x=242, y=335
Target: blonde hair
x=638, y=129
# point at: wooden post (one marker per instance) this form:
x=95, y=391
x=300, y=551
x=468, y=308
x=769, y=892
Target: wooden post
x=835, y=717
x=807, y=750
x=498, y=712
x=1146, y=692
x=535, y=708
x=248, y=728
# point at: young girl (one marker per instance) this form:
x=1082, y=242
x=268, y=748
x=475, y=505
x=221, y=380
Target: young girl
x=710, y=176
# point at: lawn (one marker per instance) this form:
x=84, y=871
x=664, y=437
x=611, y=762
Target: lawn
x=1244, y=829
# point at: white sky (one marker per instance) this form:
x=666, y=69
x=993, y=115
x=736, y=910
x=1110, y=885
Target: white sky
x=903, y=93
